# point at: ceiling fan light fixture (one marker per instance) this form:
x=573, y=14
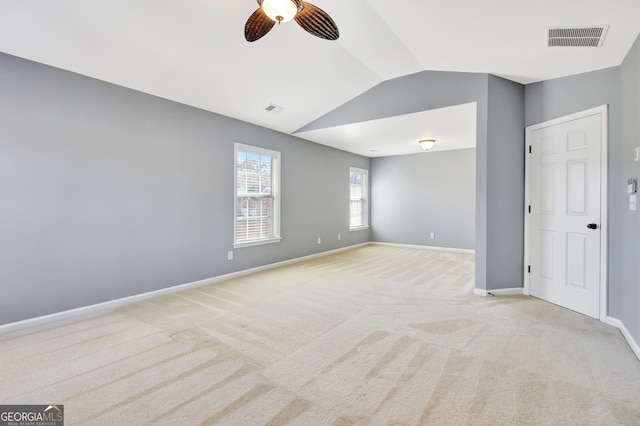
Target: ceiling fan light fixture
x=279, y=10
x=311, y=18
x=427, y=144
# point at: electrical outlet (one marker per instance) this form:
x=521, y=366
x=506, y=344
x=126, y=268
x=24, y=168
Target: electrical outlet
x=319, y=240
x=230, y=255
x=432, y=235
x=339, y=237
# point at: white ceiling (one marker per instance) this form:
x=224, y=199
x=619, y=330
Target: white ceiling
x=194, y=52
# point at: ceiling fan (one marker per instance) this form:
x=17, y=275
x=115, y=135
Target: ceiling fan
x=311, y=18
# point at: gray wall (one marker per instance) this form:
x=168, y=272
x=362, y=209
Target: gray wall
x=618, y=87
x=107, y=192
x=414, y=195
x=404, y=95
x=505, y=183
x=555, y=98
x=624, y=244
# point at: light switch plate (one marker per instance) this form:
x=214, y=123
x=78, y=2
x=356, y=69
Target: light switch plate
x=637, y=156
x=633, y=203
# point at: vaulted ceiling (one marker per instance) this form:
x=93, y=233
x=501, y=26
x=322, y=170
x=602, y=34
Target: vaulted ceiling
x=194, y=52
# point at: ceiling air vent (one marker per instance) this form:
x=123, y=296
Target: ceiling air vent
x=592, y=36
x=273, y=108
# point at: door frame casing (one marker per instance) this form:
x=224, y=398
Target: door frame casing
x=603, y=111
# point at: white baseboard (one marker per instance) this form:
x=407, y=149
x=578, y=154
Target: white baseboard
x=117, y=303
x=499, y=292
x=454, y=250
x=629, y=338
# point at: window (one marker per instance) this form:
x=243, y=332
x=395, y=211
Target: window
x=257, y=197
x=358, y=198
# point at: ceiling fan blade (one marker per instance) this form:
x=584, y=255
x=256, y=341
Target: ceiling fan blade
x=257, y=25
x=317, y=22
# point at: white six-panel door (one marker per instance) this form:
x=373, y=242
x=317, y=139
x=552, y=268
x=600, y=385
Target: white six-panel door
x=565, y=223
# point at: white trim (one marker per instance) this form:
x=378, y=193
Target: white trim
x=117, y=303
x=604, y=214
x=359, y=228
x=455, y=250
x=627, y=335
x=603, y=111
x=257, y=242
x=499, y=292
x=514, y=291
x=527, y=201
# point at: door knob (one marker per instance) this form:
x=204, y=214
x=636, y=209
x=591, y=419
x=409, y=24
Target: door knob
x=592, y=226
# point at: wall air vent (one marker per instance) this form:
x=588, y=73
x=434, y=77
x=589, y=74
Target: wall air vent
x=591, y=36
x=273, y=108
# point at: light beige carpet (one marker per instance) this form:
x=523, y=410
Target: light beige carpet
x=376, y=335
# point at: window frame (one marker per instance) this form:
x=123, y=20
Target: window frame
x=276, y=157
x=365, y=198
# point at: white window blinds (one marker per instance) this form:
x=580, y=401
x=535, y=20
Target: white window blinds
x=358, y=198
x=257, y=200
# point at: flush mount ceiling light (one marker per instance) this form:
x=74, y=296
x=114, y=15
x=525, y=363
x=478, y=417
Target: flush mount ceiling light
x=427, y=144
x=311, y=18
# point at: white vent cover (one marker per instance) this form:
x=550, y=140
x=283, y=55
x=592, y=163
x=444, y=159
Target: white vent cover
x=591, y=36
x=273, y=108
